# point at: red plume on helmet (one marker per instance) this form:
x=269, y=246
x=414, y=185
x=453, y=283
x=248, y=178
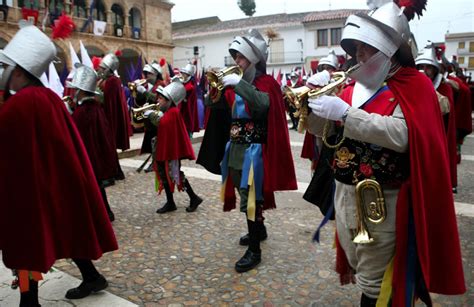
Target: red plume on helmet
x=118, y=53
x=162, y=62
x=63, y=27
x=439, y=50
x=412, y=7
x=96, y=62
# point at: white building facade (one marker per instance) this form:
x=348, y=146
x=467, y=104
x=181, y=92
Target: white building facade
x=461, y=45
x=295, y=40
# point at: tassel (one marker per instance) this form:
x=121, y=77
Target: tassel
x=64, y=27
x=412, y=7
x=162, y=62
x=118, y=53
x=96, y=62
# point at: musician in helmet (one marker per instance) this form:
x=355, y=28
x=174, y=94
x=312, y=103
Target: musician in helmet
x=50, y=204
x=312, y=144
x=257, y=159
x=115, y=105
x=390, y=144
x=329, y=62
x=172, y=145
x=146, y=94
x=428, y=63
x=94, y=129
x=189, y=106
x=293, y=82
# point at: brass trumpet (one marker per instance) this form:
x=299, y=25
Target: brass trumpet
x=215, y=79
x=138, y=113
x=134, y=85
x=370, y=203
x=298, y=97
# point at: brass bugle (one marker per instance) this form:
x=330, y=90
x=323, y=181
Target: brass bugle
x=135, y=84
x=215, y=79
x=138, y=113
x=298, y=97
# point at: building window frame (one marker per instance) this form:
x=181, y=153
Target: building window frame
x=471, y=47
x=336, y=35
x=471, y=62
x=322, y=38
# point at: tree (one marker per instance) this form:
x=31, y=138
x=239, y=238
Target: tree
x=247, y=6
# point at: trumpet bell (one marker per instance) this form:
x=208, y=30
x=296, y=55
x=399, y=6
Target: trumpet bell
x=215, y=79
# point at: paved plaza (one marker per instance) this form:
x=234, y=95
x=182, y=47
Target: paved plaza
x=182, y=259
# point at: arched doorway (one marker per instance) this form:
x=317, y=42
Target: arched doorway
x=130, y=65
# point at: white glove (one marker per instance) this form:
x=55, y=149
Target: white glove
x=141, y=89
x=231, y=80
x=320, y=79
x=147, y=113
x=329, y=107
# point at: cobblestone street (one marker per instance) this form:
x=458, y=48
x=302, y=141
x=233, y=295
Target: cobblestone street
x=181, y=259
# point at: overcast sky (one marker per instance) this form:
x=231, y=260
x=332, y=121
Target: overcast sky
x=440, y=16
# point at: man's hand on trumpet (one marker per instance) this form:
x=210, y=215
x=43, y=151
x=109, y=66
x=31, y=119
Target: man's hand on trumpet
x=231, y=80
x=328, y=107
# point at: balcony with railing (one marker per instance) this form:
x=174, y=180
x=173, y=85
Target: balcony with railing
x=14, y=14
x=275, y=58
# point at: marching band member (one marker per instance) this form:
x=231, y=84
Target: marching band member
x=172, y=145
x=257, y=160
x=51, y=207
x=390, y=131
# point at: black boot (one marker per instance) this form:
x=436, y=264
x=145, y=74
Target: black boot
x=253, y=255
x=93, y=281
x=170, y=205
x=194, y=200
x=366, y=301
x=262, y=235
x=30, y=298
x=86, y=288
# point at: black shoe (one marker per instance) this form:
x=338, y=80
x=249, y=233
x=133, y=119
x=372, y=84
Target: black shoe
x=168, y=207
x=248, y=261
x=245, y=240
x=194, y=203
x=86, y=288
x=120, y=176
x=455, y=190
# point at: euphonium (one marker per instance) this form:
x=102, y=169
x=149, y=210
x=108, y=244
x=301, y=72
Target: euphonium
x=215, y=79
x=370, y=204
x=298, y=97
x=138, y=112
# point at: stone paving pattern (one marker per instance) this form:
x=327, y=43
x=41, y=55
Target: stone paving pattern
x=186, y=259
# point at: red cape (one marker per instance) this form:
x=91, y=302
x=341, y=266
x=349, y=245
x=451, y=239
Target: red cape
x=116, y=110
x=95, y=132
x=173, y=141
x=50, y=207
x=447, y=91
x=279, y=170
x=278, y=167
x=189, y=109
x=309, y=146
x=463, y=108
x=427, y=193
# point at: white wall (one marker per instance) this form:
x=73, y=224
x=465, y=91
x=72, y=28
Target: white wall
x=213, y=48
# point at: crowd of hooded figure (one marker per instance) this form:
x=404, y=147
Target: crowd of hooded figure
x=396, y=118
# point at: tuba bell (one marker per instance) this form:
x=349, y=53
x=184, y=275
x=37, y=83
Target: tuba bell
x=298, y=97
x=215, y=80
x=370, y=204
